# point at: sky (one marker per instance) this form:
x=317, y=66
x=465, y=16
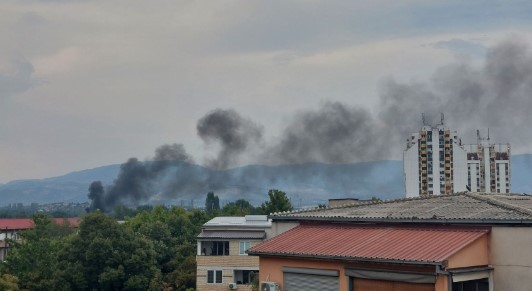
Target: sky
x=91, y=83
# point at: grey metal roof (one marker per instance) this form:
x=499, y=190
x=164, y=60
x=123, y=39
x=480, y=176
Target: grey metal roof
x=248, y=221
x=460, y=207
x=231, y=234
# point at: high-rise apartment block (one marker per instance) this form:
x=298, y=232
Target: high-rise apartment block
x=436, y=162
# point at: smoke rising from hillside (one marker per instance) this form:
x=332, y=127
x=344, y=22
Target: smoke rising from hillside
x=496, y=96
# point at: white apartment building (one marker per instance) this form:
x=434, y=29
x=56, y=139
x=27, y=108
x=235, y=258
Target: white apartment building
x=436, y=162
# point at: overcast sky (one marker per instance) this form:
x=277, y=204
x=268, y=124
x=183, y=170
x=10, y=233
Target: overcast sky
x=91, y=83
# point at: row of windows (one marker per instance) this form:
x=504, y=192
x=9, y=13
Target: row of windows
x=221, y=248
x=240, y=276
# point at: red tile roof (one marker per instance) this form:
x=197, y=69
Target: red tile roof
x=373, y=243
x=16, y=223
x=27, y=223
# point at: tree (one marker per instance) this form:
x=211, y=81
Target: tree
x=9, y=282
x=212, y=202
x=106, y=255
x=278, y=202
x=173, y=232
x=33, y=260
x=240, y=207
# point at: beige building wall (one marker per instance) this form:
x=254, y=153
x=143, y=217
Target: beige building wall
x=511, y=258
x=228, y=264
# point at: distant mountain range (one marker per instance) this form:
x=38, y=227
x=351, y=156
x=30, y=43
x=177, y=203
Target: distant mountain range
x=306, y=184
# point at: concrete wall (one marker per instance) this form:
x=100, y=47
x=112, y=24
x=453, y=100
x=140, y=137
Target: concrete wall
x=411, y=171
x=511, y=258
x=279, y=227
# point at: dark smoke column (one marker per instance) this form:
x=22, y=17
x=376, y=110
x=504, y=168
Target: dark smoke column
x=96, y=195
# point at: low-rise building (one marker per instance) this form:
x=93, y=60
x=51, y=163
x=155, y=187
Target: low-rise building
x=464, y=241
x=222, y=259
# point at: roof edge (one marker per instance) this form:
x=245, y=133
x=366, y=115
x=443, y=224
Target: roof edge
x=348, y=259
x=498, y=203
x=407, y=220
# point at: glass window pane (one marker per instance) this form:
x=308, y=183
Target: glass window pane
x=210, y=276
x=219, y=276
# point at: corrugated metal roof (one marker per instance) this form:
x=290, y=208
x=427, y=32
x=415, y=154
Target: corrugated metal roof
x=231, y=234
x=456, y=207
x=373, y=243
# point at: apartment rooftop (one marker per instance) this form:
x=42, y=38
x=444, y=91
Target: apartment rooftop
x=455, y=208
x=248, y=221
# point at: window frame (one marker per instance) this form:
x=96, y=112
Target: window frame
x=243, y=252
x=215, y=278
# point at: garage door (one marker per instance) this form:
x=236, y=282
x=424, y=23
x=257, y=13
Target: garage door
x=381, y=285
x=310, y=280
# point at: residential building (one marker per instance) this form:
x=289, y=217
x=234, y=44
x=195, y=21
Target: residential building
x=457, y=242
x=436, y=162
x=222, y=259
x=10, y=229
x=488, y=166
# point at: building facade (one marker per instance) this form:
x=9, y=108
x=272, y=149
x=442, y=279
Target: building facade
x=436, y=162
x=457, y=242
x=488, y=166
x=222, y=260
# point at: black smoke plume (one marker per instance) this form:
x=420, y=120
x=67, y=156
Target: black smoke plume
x=335, y=133
x=231, y=132
x=137, y=180
x=495, y=95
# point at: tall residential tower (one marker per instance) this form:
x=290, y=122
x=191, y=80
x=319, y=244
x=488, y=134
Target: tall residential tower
x=436, y=162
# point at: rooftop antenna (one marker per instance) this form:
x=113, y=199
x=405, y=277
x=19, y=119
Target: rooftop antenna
x=442, y=118
x=478, y=136
x=488, y=133
x=423, y=119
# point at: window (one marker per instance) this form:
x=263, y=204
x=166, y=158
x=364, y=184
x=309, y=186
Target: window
x=245, y=276
x=244, y=246
x=215, y=248
x=214, y=276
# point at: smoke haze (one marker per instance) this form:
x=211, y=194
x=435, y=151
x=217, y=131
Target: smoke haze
x=495, y=95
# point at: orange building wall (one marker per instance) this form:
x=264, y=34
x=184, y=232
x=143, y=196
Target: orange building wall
x=441, y=283
x=271, y=269
x=475, y=254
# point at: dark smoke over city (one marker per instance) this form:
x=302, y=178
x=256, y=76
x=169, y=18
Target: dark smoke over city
x=495, y=95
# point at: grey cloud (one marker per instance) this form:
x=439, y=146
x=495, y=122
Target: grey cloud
x=462, y=47
x=496, y=95
x=18, y=80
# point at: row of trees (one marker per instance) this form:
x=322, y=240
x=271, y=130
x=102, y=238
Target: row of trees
x=153, y=250
x=278, y=202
